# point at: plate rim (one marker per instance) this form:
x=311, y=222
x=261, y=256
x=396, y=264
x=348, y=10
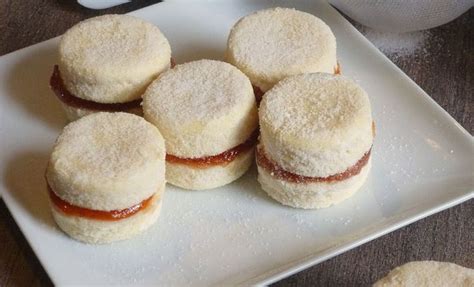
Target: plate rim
x=311, y=260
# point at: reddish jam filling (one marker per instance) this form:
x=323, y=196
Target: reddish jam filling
x=57, y=85
x=276, y=171
x=337, y=69
x=220, y=159
x=112, y=215
x=259, y=94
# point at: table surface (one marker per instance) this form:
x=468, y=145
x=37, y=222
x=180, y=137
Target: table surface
x=445, y=70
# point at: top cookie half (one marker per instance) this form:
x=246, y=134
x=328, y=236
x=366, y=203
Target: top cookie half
x=202, y=108
x=272, y=44
x=112, y=58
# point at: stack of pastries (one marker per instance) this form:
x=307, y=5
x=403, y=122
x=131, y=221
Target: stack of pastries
x=272, y=44
x=105, y=64
x=138, y=121
x=207, y=113
x=106, y=177
x=315, y=140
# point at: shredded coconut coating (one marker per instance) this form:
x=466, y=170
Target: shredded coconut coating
x=272, y=44
x=428, y=274
x=316, y=124
x=112, y=58
x=202, y=108
x=107, y=161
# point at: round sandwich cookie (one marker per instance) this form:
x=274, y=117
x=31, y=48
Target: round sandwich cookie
x=106, y=63
x=428, y=274
x=316, y=134
x=207, y=114
x=272, y=44
x=106, y=177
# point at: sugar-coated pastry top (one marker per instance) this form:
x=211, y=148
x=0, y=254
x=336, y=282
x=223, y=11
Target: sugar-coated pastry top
x=112, y=58
x=428, y=274
x=202, y=108
x=107, y=161
x=316, y=124
x=275, y=43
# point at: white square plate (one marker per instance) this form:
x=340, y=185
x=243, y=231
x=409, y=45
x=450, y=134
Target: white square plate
x=422, y=163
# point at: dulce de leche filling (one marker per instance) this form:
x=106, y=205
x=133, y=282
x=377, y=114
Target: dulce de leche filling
x=276, y=171
x=215, y=160
x=259, y=93
x=112, y=215
x=58, y=87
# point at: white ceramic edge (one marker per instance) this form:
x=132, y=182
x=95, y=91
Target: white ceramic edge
x=273, y=275
x=7, y=199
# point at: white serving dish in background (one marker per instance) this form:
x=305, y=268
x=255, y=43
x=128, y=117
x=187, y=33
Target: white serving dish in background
x=101, y=4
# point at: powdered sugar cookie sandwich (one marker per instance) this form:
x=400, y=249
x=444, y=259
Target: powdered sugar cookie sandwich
x=106, y=63
x=207, y=114
x=315, y=142
x=106, y=176
x=272, y=44
x=428, y=274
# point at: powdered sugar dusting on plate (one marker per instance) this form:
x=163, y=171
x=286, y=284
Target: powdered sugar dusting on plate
x=399, y=44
